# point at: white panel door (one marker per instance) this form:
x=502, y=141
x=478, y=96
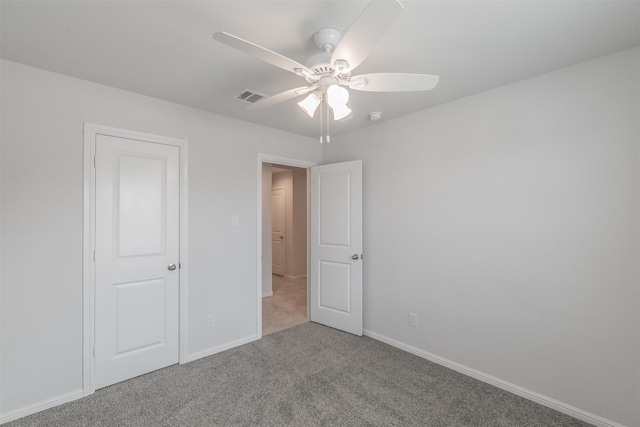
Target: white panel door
x=278, y=223
x=336, y=245
x=137, y=247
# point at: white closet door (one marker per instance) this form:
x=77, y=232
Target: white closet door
x=137, y=258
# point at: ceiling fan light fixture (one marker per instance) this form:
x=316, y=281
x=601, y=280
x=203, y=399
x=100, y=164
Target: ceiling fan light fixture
x=348, y=110
x=337, y=95
x=337, y=98
x=340, y=112
x=329, y=73
x=310, y=104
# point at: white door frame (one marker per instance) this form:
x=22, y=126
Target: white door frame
x=88, y=245
x=284, y=161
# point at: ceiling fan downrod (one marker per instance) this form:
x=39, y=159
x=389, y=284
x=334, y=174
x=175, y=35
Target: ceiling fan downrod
x=326, y=39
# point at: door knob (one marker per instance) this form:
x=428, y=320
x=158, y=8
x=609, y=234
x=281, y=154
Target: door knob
x=355, y=256
x=171, y=267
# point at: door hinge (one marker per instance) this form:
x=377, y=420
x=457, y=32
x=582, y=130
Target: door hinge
x=179, y=265
x=94, y=351
x=94, y=161
x=94, y=255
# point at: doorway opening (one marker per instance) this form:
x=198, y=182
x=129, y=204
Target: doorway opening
x=333, y=241
x=284, y=260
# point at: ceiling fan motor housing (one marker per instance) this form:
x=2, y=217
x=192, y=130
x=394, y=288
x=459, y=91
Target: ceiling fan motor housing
x=327, y=39
x=320, y=63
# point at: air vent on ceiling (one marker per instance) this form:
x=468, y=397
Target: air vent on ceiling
x=250, y=96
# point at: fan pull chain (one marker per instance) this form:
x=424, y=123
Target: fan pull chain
x=321, y=108
x=328, y=137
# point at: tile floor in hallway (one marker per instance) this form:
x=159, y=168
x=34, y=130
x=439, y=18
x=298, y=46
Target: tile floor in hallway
x=287, y=306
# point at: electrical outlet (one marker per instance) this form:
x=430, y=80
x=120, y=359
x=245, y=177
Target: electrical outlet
x=211, y=320
x=413, y=320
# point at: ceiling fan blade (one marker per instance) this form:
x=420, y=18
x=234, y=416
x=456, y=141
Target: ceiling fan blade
x=260, y=52
x=366, y=32
x=281, y=97
x=393, y=82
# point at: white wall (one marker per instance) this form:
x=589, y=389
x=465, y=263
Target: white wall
x=509, y=222
x=42, y=201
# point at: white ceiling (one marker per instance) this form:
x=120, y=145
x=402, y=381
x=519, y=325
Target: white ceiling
x=164, y=49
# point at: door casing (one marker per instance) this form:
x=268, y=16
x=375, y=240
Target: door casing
x=89, y=231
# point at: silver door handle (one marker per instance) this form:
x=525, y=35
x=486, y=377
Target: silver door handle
x=355, y=256
x=171, y=267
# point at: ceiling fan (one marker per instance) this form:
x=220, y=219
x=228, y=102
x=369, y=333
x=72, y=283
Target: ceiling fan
x=329, y=73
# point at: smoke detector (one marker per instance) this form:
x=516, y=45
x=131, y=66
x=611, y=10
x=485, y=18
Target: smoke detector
x=374, y=116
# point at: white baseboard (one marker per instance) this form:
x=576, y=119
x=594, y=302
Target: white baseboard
x=267, y=294
x=300, y=276
x=504, y=385
x=41, y=406
x=223, y=347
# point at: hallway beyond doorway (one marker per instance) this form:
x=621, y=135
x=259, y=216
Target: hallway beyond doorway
x=287, y=306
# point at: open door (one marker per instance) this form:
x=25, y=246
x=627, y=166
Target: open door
x=336, y=245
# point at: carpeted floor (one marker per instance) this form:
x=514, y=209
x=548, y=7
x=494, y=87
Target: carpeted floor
x=309, y=375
